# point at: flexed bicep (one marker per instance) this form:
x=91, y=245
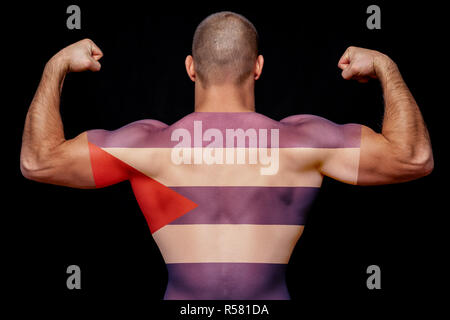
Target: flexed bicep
x=382, y=163
x=46, y=156
x=340, y=159
x=80, y=163
x=402, y=151
x=67, y=164
x=375, y=162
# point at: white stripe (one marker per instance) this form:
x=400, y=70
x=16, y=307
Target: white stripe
x=297, y=168
x=196, y=243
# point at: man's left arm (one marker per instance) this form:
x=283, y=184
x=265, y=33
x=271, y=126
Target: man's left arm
x=46, y=156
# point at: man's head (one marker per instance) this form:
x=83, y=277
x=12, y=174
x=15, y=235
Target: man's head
x=225, y=51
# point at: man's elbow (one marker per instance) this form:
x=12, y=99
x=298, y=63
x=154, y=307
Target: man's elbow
x=28, y=168
x=420, y=165
x=32, y=169
x=427, y=166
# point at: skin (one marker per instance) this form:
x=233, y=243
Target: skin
x=400, y=152
x=236, y=99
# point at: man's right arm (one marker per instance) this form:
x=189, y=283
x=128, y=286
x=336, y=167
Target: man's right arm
x=402, y=150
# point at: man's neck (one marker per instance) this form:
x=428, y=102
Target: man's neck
x=225, y=98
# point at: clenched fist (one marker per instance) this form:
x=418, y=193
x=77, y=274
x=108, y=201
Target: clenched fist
x=80, y=56
x=363, y=64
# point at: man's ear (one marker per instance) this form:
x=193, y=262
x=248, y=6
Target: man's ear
x=189, y=62
x=258, y=67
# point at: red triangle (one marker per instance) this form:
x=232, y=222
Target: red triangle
x=159, y=203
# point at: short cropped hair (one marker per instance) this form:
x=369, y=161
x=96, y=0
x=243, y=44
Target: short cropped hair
x=224, y=48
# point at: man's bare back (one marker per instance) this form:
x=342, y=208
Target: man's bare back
x=226, y=190
x=225, y=228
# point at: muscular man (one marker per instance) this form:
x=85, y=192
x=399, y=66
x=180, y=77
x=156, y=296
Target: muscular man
x=225, y=190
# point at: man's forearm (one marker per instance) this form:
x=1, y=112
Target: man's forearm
x=43, y=129
x=403, y=125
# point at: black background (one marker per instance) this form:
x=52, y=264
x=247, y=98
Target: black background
x=349, y=228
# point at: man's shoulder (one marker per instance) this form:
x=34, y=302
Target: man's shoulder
x=134, y=134
x=309, y=124
x=299, y=119
x=321, y=132
x=145, y=124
